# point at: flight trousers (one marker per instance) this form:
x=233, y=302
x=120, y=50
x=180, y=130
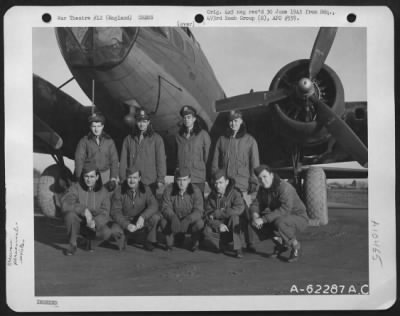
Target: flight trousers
x=285, y=227
x=195, y=228
x=150, y=227
x=234, y=234
x=76, y=226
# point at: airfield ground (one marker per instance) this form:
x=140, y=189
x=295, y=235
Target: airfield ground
x=333, y=254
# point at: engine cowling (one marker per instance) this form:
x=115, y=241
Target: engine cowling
x=295, y=116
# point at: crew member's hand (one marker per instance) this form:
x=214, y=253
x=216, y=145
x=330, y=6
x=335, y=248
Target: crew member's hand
x=175, y=224
x=88, y=215
x=223, y=228
x=185, y=224
x=140, y=222
x=258, y=223
x=91, y=224
x=131, y=228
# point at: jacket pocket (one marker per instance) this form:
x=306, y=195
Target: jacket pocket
x=243, y=171
x=199, y=165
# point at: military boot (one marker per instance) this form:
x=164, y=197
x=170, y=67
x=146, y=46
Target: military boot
x=294, y=253
x=279, y=247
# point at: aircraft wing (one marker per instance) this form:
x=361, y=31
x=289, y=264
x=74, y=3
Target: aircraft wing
x=59, y=120
x=330, y=172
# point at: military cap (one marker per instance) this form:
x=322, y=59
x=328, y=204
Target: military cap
x=132, y=170
x=97, y=117
x=182, y=172
x=141, y=115
x=234, y=115
x=187, y=109
x=88, y=166
x=219, y=174
x=261, y=168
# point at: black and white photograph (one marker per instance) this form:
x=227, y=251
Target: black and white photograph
x=213, y=161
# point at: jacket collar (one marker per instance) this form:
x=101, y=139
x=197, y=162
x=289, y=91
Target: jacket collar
x=125, y=188
x=175, y=189
x=241, y=132
x=148, y=133
x=97, y=186
x=229, y=189
x=103, y=135
x=195, y=130
x=276, y=182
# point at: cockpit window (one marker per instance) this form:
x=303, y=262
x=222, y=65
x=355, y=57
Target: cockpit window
x=101, y=47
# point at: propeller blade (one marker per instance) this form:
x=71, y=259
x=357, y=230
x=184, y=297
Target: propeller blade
x=342, y=132
x=250, y=100
x=320, y=51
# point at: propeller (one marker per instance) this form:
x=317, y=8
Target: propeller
x=307, y=102
x=342, y=132
x=251, y=100
x=321, y=48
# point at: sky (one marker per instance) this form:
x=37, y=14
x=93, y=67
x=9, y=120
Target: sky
x=243, y=58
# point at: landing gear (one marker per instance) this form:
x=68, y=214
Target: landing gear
x=315, y=196
x=311, y=187
x=52, y=185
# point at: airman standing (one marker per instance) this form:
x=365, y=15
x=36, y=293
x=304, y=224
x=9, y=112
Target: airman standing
x=99, y=147
x=193, y=145
x=145, y=150
x=236, y=152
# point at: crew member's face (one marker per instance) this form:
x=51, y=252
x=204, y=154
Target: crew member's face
x=265, y=178
x=188, y=120
x=183, y=183
x=133, y=180
x=143, y=124
x=96, y=128
x=235, y=124
x=90, y=178
x=220, y=185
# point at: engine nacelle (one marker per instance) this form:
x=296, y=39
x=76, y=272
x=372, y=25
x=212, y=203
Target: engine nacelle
x=291, y=121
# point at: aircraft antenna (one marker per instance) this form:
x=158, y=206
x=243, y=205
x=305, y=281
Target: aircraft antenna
x=93, y=105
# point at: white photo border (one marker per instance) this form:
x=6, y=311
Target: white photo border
x=18, y=24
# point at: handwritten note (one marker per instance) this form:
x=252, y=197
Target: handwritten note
x=376, y=244
x=15, y=247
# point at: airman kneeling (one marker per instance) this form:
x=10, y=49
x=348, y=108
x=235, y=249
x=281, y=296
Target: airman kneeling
x=86, y=209
x=224, y=207
x=182, y=210
x=133, y=208
x=277, y=207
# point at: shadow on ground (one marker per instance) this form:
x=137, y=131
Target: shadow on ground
x=333, y=254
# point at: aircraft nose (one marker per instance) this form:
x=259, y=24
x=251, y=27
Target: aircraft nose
x=100, y=47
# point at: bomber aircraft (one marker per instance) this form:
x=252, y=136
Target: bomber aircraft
x=301, y=121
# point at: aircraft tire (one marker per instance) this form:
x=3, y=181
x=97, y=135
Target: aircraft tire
x=49, y=190
x=315, y=196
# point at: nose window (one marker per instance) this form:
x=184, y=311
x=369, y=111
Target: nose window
x=95, y=46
